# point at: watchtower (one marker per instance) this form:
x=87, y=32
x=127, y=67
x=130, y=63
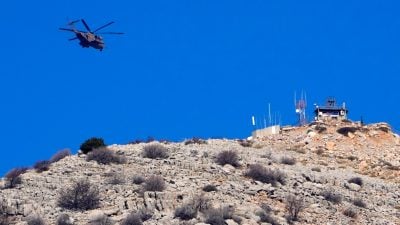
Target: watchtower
x=330, y=111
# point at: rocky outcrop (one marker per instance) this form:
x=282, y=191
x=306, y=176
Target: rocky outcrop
x=325, y=161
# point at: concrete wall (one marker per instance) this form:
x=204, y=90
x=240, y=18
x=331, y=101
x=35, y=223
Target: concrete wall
x=266, y=131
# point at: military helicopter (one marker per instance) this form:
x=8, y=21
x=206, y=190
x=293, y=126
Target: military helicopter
x=89, y=38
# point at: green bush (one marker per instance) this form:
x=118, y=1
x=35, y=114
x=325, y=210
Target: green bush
x=91, y=144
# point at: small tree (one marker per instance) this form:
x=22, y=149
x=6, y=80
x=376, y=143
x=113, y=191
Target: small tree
x=91, y=144
x=81, y=196
x=294, y=206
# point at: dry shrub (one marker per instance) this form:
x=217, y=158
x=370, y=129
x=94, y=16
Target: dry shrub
x=359, y=202
x=349, y=212
x=132, y=219
x=260, y=173
x=13, y=177
x=155, y=151
x=356, y=180
x=218, y=216
x=210, y=188
x=101, y=220
x=245, y=143
x=64, y=219
x=60, y=155
x=288, y=160
x=332, y=197
x=36, y=220
x=42, y=165
x=228, y=157
x=105, y=156
x=186, y=212
x=294, y=206
x=80, y=196
x=154, y=183
x=137, y=179
x=195, y=140
x=4, y=220
x=346, y=130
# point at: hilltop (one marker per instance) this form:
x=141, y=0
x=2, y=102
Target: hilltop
x=340, y=173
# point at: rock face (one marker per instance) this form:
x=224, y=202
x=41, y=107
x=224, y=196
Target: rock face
x=326, y=162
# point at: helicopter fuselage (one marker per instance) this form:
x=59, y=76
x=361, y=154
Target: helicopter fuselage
x=90, y=40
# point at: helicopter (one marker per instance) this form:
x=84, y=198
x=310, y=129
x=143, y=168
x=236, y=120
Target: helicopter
x=89, y=38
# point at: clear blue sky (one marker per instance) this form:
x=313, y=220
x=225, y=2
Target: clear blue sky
x=187, y=68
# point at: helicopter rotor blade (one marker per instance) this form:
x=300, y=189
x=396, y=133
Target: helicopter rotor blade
x=85, y=24
x=108, y=24
x=66, y=29
x=73, y=22
x=111, y=33
x=71, y=39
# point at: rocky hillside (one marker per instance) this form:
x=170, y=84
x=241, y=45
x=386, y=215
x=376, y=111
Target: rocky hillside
x=317, y=174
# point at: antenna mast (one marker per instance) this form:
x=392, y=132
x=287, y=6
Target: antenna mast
x=300, y=106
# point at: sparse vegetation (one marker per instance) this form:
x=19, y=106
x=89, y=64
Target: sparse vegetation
x=105, y=156
x=13, y=177
x=154, y=183
x=356, y=180
x=64, y=219
x=36, y=220
x=82, y=195
x=320, y=129
x=359, y=202
x=260, y=173
x=91, y=144
x=228, y=157
x=294, y=206
x=155, y=151
x=132, y=219
x=42, y=165
x=195, y=140
x=332, y=197
x=137, y=179
x=210, y=188
x=349, y=212
x=288, y=160
x=101, y=220
x=201, y=203
x=60, y=155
